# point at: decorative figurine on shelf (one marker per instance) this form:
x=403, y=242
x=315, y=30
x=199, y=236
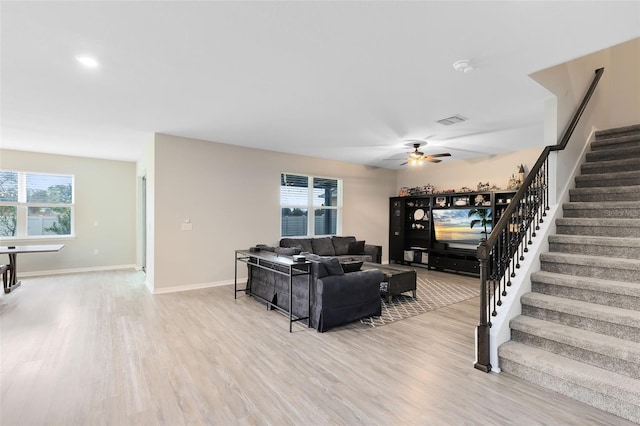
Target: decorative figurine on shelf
x=427, y=189
x=404, y=191
x=483, y=186
x=514, y=183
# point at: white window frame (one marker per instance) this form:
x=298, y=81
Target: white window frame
x=22, y=208
x=311, y=209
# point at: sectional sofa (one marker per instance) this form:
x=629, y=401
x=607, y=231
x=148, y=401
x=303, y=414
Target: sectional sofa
x=340, y=292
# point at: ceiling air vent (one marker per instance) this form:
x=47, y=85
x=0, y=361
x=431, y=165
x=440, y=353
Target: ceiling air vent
x=454, y=119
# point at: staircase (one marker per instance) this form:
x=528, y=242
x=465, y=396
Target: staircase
x=579, y=332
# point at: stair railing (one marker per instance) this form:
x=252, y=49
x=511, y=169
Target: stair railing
x=501, y=253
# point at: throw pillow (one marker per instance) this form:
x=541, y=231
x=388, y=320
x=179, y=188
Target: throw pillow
x=351, y=266
x=323, y=246
x=329, y=265
x=341, y=244
x=356, y=247
x=265, y=247
x=333, y=266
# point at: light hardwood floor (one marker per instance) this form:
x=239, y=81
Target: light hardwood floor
x=97, y=348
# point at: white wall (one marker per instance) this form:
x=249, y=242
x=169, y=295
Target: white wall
x=104, y=193
x=495, y=169
x=231, y=196
x=615, y=103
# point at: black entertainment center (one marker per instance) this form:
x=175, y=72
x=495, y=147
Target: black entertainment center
x=442, y=231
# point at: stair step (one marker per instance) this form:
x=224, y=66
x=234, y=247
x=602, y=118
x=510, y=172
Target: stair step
x=600, y=388
x=615, y=152
x=610, y=166
x=608, y=179
x=619, y=294
x=614, y=193
x=618, y=131
x=592, y=266
x=626, y=248
x=609, y=320
x=629, y=140
x=604, y=227
x=603, y=209
x=610, y=353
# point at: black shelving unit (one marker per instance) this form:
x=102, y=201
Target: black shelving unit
x=412, y=236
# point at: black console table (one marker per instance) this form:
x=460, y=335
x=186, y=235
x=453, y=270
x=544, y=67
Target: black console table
x=279, y=265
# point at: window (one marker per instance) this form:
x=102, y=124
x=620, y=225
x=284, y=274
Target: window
x=309, y=205
x=35, y=204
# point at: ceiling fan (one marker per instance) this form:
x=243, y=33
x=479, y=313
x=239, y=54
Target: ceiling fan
x=417, y=158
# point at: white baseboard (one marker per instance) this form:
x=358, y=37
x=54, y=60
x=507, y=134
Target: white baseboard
x=187, y=287
x=74, y=270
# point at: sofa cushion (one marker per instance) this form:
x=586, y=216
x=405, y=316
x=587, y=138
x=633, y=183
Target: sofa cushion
x=323, y=246
x=288, y=251
x=356, y=247
x=351, y=266
x=305, y=243
x=341, y=244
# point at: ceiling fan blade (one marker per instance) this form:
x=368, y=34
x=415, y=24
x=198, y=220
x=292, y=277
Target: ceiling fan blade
x=433, y=160
x=444, y=154
x=406, y=162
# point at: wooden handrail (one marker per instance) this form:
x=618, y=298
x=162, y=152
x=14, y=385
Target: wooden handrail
x=500, y=254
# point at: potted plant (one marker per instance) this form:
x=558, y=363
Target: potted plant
x=482, y=217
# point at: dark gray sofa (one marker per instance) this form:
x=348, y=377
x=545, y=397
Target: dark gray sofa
x=337, y=298
x=344, y=248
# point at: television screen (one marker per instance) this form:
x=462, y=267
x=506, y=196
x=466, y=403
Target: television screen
x=454, y=225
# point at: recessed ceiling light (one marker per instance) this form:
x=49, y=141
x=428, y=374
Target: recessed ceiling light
x=87, y=61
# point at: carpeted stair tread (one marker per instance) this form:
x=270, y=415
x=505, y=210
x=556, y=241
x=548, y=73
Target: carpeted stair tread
x=599, y=227
x=597, y=349
x=622, y=247
x=609, y=391
x=609, y=193
x=610, y=314
x=621, y=294
x=608, y=179
x=578, y=259
x=611, y=166
x=617, y=131
x=618, y=287
x=603, y=209
x=598, y=221
x=614, y=153
x=595, y=240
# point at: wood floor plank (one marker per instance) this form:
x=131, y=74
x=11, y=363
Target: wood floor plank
x=97, y=348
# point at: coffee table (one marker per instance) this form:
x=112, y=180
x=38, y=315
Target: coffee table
x=398, y=280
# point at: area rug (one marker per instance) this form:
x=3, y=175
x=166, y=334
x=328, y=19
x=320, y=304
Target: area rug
x=431, y=294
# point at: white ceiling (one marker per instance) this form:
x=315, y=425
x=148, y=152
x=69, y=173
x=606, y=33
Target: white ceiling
x=340, y=80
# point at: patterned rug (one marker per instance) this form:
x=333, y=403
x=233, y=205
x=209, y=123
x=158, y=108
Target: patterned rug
x=431, y=294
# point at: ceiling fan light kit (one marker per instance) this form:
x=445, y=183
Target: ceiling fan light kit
x=418, y=158
x=463, y=65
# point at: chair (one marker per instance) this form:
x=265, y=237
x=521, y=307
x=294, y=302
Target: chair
x=4, y=270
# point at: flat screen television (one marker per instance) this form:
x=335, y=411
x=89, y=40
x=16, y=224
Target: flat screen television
x=453, y=226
